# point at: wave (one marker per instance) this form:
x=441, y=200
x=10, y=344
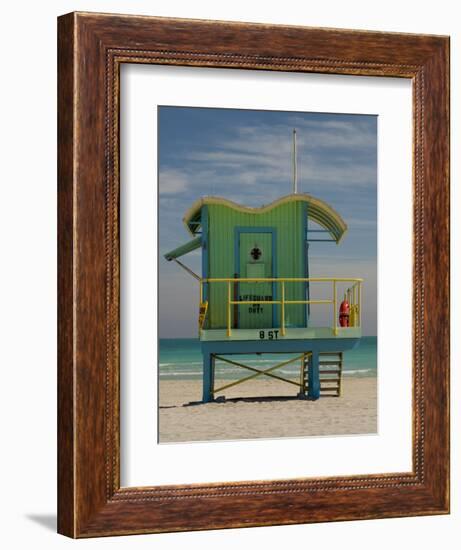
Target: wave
x=357, y=371
x=229, y=372
x=218, y=362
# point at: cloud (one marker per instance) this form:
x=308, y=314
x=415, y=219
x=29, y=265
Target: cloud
x=331, y=155
x=173, y=181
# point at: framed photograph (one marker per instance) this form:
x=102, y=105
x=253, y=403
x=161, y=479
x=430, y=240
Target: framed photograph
x=253, y=275
x=274, y=299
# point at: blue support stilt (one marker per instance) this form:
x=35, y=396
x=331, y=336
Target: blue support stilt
x=314, y=377
x=208, y=377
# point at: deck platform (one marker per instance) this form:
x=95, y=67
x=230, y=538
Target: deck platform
x=271, y=334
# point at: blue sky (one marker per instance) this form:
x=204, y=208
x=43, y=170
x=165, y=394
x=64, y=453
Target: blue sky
x=245, y=156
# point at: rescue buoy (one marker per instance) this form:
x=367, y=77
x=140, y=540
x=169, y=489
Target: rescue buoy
x=344, y=314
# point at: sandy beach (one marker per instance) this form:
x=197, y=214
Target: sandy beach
x=264, y=409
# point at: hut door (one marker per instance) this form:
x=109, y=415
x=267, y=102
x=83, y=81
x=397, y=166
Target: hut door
x=255, y=261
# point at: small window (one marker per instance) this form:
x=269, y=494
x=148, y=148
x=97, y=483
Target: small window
x=256, y=253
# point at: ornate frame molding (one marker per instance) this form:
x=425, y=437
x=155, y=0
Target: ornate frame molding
x=91, y=49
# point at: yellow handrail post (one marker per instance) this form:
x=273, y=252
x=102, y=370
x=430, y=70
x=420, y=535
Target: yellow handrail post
x=228, y=308
x=360, y=303
x=335, y=330
x=352, y=304
x=356, y=305
x=283, y=308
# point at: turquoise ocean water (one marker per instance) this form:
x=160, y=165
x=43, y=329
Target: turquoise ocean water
x=181, y=359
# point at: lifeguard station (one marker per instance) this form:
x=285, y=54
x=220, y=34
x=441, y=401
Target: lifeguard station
x=256, y=293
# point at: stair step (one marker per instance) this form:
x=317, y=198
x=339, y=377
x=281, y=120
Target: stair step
x=330, y=373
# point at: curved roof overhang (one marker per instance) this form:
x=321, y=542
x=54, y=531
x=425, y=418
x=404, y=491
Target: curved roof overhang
x=318, y=210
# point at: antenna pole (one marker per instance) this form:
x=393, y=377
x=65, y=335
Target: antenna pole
x=295, y=164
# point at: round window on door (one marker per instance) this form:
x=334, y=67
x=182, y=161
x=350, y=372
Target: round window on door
x=256, y=253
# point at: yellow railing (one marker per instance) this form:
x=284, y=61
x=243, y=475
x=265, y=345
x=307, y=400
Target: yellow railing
x=353, y=295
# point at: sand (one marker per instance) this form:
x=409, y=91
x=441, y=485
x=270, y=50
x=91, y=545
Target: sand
x=264, y=409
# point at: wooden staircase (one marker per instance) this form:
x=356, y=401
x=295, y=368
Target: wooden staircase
x=330, y=371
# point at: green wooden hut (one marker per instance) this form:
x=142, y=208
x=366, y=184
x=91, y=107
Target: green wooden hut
x=255, y=286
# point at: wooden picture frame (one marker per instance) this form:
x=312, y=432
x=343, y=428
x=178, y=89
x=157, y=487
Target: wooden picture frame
x=91, y=49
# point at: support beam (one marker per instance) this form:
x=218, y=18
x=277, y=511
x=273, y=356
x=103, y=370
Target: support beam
x=314, y=377
x=208, y=377
x=258, y=372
